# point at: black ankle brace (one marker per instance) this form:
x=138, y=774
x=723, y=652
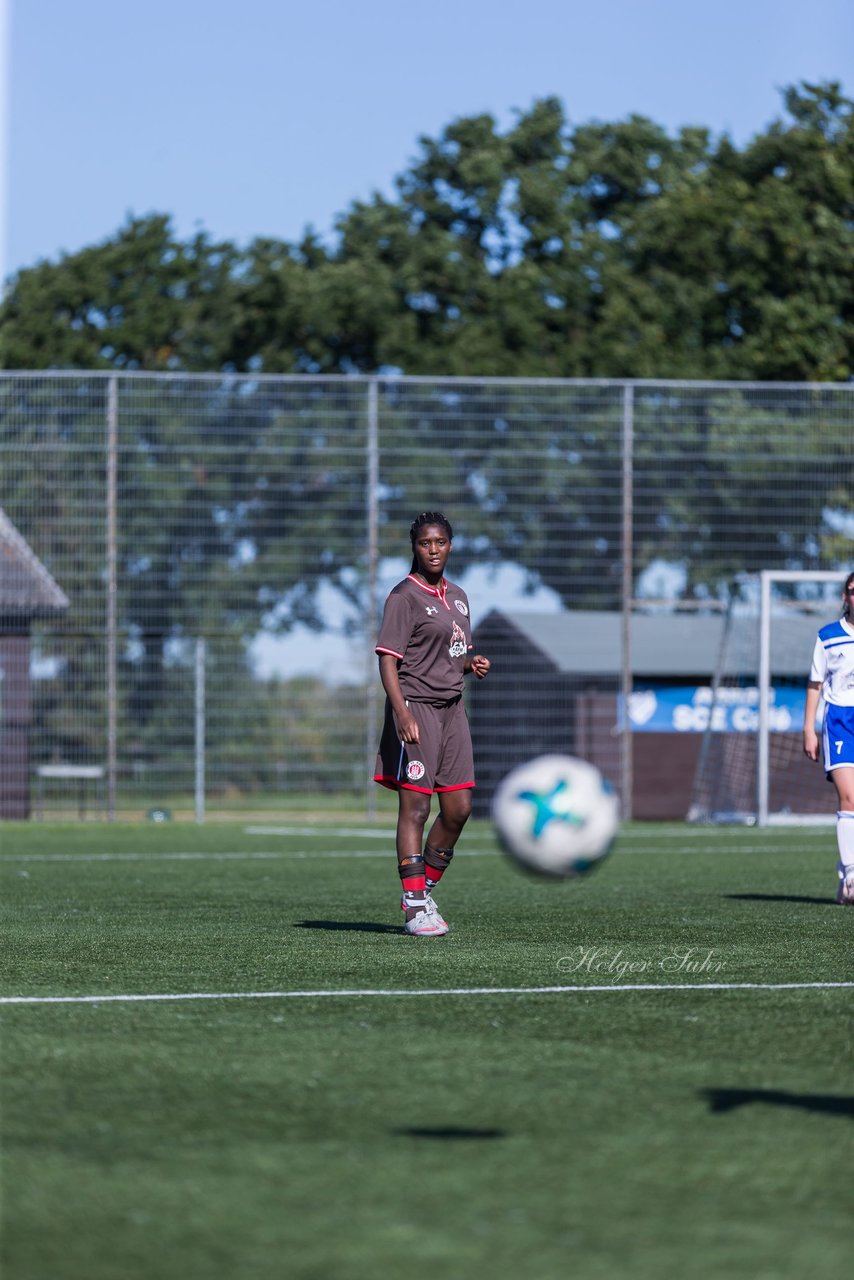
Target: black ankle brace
x=409, y=867
x=439, y=859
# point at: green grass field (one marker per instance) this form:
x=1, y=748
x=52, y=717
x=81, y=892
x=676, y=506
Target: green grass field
x=267, y=1126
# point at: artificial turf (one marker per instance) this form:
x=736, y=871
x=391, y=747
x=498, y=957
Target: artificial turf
x=606, y=1131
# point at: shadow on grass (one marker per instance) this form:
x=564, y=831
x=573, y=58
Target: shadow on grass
x=721, y=1100
x=348, y=926
x=449, y=1133
x=781, y=897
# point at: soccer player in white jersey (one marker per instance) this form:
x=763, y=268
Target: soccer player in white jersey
x=832, y=678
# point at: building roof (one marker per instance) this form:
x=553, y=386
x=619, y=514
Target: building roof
x=26, y=588
x=663, y=645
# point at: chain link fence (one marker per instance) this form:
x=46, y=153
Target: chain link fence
x=194, y=568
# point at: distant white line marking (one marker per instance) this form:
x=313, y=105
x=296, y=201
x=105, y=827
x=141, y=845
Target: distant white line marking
x=429, y=991
x=687, y=833
x=299, y=854
x=270, y=855
x=370, y=833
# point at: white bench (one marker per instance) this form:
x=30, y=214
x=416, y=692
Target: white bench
x=81, y=773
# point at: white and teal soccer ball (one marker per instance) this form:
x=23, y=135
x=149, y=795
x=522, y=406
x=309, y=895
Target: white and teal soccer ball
x=556, y=815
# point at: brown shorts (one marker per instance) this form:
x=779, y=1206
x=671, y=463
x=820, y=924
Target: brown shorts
x=441, y=761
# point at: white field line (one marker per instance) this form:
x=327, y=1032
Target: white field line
x=275, y=855
x=369, y=833
x=357, y=993
x=256, y=855
x=687, y=833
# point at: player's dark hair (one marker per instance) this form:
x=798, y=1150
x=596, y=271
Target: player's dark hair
x=421, y=522
x=849, y=585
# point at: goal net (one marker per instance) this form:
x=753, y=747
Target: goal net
x=751, y=766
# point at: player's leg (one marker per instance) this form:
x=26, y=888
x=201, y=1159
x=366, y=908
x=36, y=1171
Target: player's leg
x=394, y=769
x=421, y=919
x=454, y=813
x=412, y=813
x=838, y=747
x=454, y=782
x=415, y=789
x=843, y=779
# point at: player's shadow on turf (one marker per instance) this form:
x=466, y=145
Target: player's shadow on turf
x=348, y=926
x=781, y=897
x=721, y=1100
x=449, y=1133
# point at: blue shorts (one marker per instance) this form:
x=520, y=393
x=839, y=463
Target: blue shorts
x=838, y=737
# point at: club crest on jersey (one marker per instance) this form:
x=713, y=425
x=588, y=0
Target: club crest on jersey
x=461, y=605
x=415, y=770
x=458, y=645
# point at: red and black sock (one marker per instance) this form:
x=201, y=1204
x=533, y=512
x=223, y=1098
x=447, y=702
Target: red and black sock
x=412, y=881
x=436, y=863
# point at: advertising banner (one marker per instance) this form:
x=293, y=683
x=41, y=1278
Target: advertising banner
x=690, y=709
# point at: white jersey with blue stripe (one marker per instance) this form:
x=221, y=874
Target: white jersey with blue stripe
x=833, y=663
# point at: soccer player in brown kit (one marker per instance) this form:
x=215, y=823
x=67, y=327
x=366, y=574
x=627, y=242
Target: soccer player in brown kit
x=424, y=649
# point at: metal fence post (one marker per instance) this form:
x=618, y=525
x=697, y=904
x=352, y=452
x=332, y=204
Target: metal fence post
x=373, y=467
x=626, y=762
x=201, y=655
x=112, y=592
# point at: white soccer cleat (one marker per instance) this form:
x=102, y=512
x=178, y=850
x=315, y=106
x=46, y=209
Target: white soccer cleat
x=431, y=906
x=427, y=923
x=845, y=892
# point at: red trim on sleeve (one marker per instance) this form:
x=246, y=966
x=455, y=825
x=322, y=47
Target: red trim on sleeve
x=392, y=652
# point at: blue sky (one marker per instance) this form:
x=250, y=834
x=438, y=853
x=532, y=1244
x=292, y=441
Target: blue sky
x=265, y=116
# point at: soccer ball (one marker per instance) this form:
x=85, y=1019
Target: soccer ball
x=556, y=815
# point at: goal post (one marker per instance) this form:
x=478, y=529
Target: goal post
x=795, y=579
x=750, y=764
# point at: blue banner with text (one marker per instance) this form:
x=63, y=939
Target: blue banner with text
x=693, y=709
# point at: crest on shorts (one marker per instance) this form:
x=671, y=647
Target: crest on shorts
x=415, y=770
x=458, y=646
x=463, y=607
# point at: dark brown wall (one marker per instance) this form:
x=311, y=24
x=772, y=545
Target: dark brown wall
x=15, y=722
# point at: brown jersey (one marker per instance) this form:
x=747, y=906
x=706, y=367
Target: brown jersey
x=428, y=629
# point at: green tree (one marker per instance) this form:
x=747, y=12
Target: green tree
x=140, y=300
x=744, y=266
x=604, y=250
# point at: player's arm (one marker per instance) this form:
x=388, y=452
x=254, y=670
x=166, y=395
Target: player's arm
x=811, y=746
x=407, y=725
